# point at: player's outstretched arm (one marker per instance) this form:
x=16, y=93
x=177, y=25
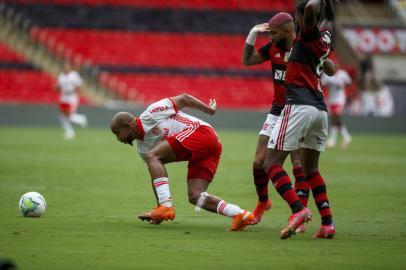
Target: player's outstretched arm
x=250, y=55
x=186, y=100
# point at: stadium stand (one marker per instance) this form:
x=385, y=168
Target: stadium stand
x=144, y=50
x=148, y=50
x=21, y=82
x=255, y=5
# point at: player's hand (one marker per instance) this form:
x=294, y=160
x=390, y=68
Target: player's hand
x=261, y=28
x=213, y=106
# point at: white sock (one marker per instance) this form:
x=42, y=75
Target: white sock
x=78, y=119
x=228, y=209
x=333, y=133
x=162, y=191
x=344, y=133
x=66, y=125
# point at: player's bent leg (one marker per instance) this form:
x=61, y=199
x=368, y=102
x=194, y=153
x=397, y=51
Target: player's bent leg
x=261, y=180
x=202, y=199
x=157, y=156
x=155, y=159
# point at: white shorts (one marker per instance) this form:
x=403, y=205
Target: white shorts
x=268, y=125
x=300, y=126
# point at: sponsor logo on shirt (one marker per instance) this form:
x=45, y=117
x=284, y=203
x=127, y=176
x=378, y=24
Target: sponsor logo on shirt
x=159, y=109
x=279, y=75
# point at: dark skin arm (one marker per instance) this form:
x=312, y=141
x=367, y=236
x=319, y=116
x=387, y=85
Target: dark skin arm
x=329, y=14
x=250, y=56
x=312, y=9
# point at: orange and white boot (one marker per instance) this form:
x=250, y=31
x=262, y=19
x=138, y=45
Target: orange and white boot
x=158, y=214
x=240, y=221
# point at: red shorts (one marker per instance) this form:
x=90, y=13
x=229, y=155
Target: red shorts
x=336, y=109
x=67, y=108
x=202, y=149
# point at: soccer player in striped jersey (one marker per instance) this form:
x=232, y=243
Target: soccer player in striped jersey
x=303, y=122
x=164, y=134
x=281, y=30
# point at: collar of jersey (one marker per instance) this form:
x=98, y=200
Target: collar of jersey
x=140, y=127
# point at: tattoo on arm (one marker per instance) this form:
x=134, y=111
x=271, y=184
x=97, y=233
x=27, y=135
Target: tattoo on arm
x=250, y=56
x=247, y=53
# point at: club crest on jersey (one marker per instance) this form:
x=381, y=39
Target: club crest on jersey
x=159, y=109
x=156, y=131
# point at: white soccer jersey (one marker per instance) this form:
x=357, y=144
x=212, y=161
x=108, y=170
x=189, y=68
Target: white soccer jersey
x=161, y=120
x=336, y=86
x=68, y=82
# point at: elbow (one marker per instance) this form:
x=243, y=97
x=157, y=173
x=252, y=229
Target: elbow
x=185, y=100
x=312, y=6
x=244, y=61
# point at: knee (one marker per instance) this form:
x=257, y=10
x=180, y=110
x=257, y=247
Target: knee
x=150, y=157
x=258, y=164
x=193, y=197
x=296, y=162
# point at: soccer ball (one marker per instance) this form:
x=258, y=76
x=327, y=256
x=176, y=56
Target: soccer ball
x=32, y=204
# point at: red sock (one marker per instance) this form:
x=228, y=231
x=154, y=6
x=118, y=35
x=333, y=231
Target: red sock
x=319, y=191
x=261, y=184
x=302, y=187
x=283, y=185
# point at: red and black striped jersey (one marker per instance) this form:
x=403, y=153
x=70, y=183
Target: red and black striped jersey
x=305, y=66
x=278, y=59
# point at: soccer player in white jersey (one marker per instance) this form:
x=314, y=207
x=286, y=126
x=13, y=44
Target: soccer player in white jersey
x=69, y=83
x=336, y=100
x=164, y=134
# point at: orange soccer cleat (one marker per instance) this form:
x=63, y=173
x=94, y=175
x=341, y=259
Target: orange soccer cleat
x=158, y=214
x=260, y=210
x=241, y=221
x=325, y=231
x=295, y=220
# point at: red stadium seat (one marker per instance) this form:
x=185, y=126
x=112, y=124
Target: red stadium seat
x=189, y=50
x=8, y=55
x=254, y=5
x=230, y=92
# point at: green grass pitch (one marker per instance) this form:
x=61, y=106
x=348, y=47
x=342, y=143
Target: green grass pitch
x=95, y=187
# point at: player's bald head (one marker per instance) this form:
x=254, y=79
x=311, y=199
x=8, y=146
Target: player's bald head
x=120, y=120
